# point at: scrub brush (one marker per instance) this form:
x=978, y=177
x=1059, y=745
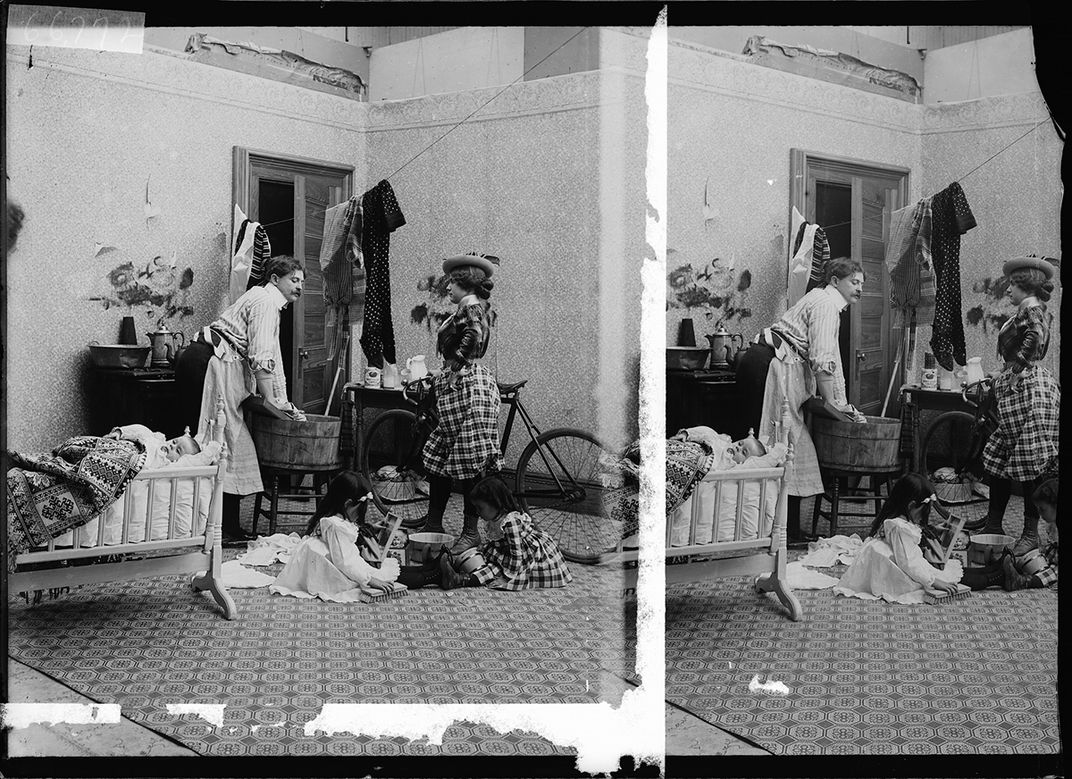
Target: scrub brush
x=939, y=597
x=373, y=595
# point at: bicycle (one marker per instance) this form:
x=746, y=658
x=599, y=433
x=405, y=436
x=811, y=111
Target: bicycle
x=955, y=441
x=556, y=480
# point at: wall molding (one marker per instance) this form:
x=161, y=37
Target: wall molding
x=708, y=70
x=557, y=94
x=312, y=107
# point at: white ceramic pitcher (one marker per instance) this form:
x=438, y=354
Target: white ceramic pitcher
x=417, y=367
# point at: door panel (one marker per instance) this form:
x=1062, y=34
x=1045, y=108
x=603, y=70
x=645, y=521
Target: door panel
x=875, y=192
x=312, y=358
x=311, y=200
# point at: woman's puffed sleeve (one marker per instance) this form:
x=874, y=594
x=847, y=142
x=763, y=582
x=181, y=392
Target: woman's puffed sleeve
x=823, y=347
x=1033, y=336
x=471, y=323
x=903, y=538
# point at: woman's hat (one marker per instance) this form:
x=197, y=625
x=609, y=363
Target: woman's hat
x=1020, y=263
x=485, y=262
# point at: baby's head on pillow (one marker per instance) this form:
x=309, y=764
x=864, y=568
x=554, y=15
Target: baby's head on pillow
x=746, y=447
x=174, y=448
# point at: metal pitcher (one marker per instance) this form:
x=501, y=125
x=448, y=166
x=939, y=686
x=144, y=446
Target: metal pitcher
x=723, y=347
x=165, y=347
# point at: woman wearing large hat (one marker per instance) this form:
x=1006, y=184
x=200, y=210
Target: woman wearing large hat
x=1028, y=398
x=464, y=446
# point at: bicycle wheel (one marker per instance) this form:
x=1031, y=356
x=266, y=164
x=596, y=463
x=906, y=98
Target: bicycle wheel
x=388, y=451
x=558, y=485
x=951, y=457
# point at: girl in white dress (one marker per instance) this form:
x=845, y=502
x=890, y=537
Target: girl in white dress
x=891, y=564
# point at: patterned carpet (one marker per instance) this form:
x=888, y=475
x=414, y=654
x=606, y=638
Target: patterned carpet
x=975, y=676
x=152, y=642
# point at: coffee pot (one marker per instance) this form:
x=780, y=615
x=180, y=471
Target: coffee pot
x=165, y=347
x=723, y=349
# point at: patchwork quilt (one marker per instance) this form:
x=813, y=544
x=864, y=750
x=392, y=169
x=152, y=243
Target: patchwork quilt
x=49, y=494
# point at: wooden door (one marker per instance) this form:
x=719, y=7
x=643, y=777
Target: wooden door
x=315, y=328
x=318, y=185
x=869, y=341
x=869, y=334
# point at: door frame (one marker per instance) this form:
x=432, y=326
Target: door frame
x=800, y=163
x=243, y=161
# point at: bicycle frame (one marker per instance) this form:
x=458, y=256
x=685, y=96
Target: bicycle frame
x=513, y=399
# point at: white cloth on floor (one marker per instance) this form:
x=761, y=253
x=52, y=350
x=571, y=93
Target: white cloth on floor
x=236, y=576
x=266, y=550
x=800, y=578
x=828, y=552
x=330, y=567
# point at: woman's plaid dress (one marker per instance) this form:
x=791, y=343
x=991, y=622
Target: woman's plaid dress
x=1028, y=414
x=524, y=558
x=465, y=443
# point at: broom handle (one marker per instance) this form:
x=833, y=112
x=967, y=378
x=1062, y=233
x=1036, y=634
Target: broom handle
x=893, y=378
x=338, y=372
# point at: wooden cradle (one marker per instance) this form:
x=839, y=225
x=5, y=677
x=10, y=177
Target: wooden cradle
x=149, y=529
x=764, y=555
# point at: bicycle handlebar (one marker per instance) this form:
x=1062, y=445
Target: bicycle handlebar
x=981, y=387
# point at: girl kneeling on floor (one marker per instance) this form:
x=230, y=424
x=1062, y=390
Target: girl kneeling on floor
x=892, y=564
x=520, y=557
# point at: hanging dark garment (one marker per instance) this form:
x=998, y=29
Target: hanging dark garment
x=951, y=217
x=340, y=251
x=820, y=257
x=381, y=216
x=262, y=251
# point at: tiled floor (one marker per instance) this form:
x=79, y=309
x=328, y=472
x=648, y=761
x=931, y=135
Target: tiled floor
x=686, y=735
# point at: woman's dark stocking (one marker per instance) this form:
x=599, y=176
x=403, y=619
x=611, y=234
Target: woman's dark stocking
x=470, y=536
x=1000, y=490
x=1029, y=538
x=438, y=495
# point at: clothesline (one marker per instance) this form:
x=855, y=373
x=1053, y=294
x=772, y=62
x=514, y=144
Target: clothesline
x=957, y=181
x=463, y=121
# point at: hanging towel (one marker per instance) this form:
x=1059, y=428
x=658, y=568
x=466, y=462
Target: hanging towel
x=251, y=251
x=951, y=218
x=800, y=265
x=381, y=216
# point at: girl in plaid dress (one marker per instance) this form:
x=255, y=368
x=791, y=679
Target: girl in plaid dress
x=1028, y=399
x=465, y=443
x=523, y=557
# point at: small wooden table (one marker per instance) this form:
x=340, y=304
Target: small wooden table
x=915, y=399
x=361, y=397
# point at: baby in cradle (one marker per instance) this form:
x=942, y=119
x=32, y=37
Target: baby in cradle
x=160, y=451
x=727, y=452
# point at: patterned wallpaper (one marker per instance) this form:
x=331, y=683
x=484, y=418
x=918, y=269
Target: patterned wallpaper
x=731, y=128
x=524, y=180
x=549, y=177
x=1016, y=200
x=89, y=133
